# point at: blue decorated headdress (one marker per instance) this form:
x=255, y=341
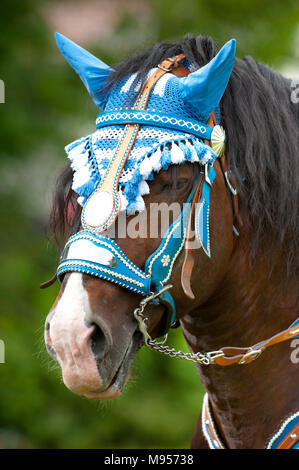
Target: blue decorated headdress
x=171, y=130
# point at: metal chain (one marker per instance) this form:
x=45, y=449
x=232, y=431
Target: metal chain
x=160, y=346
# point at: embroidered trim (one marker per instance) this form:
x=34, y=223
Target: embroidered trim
x=213, y=444
x=217, y=443
x=100, y=241
x=67, y=263
x=163, y=248
x=175, y=257
x=271, y=443
x=146, y=117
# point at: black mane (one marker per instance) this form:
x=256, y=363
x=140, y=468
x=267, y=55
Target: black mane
x=261, y=125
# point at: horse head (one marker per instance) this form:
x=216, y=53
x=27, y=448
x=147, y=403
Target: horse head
x=190, y=256
x=91, y=330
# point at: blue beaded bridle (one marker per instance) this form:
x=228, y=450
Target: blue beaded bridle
x=91, y=250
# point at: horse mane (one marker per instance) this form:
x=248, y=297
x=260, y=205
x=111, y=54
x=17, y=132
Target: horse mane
x=261, y=125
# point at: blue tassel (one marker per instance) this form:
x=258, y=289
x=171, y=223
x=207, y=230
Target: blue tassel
x=151, y=176
x=187, y=151
x=165, y=158
x=131, y=188
x=86, y=189
x=201, y=149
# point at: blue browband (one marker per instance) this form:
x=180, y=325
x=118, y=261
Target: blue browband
x=100, y=256
x=177, y=123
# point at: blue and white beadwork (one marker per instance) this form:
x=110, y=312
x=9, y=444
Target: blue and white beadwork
x=155, y=148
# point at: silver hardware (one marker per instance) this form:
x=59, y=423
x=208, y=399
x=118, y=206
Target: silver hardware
x=159, y=346
x=294, y=332
x=254, y=353
x=163, y=68
x=232, y=189
x=207, y=175
x=293, y=436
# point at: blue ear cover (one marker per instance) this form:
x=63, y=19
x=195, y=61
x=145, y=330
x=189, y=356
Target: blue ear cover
x=204, y=88
x=92, y=71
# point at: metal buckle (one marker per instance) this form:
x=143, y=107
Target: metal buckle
x=254, y=354
x=154, y=295
x=232, y=189
x=207, y=175
x=173, y=64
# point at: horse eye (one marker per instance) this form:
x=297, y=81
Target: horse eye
x=166, y=187
x=181, y=183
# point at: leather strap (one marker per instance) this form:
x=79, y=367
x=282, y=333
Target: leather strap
x=189, y=261
x=290, y=440
x=233, y=355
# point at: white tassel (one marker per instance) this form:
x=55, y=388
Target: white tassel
x=80, y=200
x=76, y=150
x=194, y=157
x=155, y=160
x=81, y=177
x=145, y=167
x=143, y=188
x=177, y=155
x=79, y=161
x=136, y=206
x=123, y=200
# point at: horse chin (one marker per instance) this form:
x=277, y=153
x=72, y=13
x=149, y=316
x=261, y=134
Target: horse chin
x=118, y=382
x=111, y=383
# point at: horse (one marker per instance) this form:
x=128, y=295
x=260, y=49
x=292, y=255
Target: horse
x=234, y=174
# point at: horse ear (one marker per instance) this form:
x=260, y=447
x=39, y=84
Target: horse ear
x=92, y=71
x=205, y=87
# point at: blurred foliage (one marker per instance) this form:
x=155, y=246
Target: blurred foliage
x=46, y=107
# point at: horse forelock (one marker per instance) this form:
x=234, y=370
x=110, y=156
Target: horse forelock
x=261, y=124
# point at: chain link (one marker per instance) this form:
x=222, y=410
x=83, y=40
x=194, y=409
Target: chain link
x=160, y=346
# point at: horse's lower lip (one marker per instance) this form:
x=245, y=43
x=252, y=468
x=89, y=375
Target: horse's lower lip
x=115, y=386
x=101, y=391
x=113, y=389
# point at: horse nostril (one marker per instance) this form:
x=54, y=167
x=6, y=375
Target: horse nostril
x=51, y=352
x=99, y=343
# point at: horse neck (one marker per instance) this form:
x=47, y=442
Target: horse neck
x=248, y=401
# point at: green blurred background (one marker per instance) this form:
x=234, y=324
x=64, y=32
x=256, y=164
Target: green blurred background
x=45, y=108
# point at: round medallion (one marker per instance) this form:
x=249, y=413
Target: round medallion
x=218, y=140
x=98, y=209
